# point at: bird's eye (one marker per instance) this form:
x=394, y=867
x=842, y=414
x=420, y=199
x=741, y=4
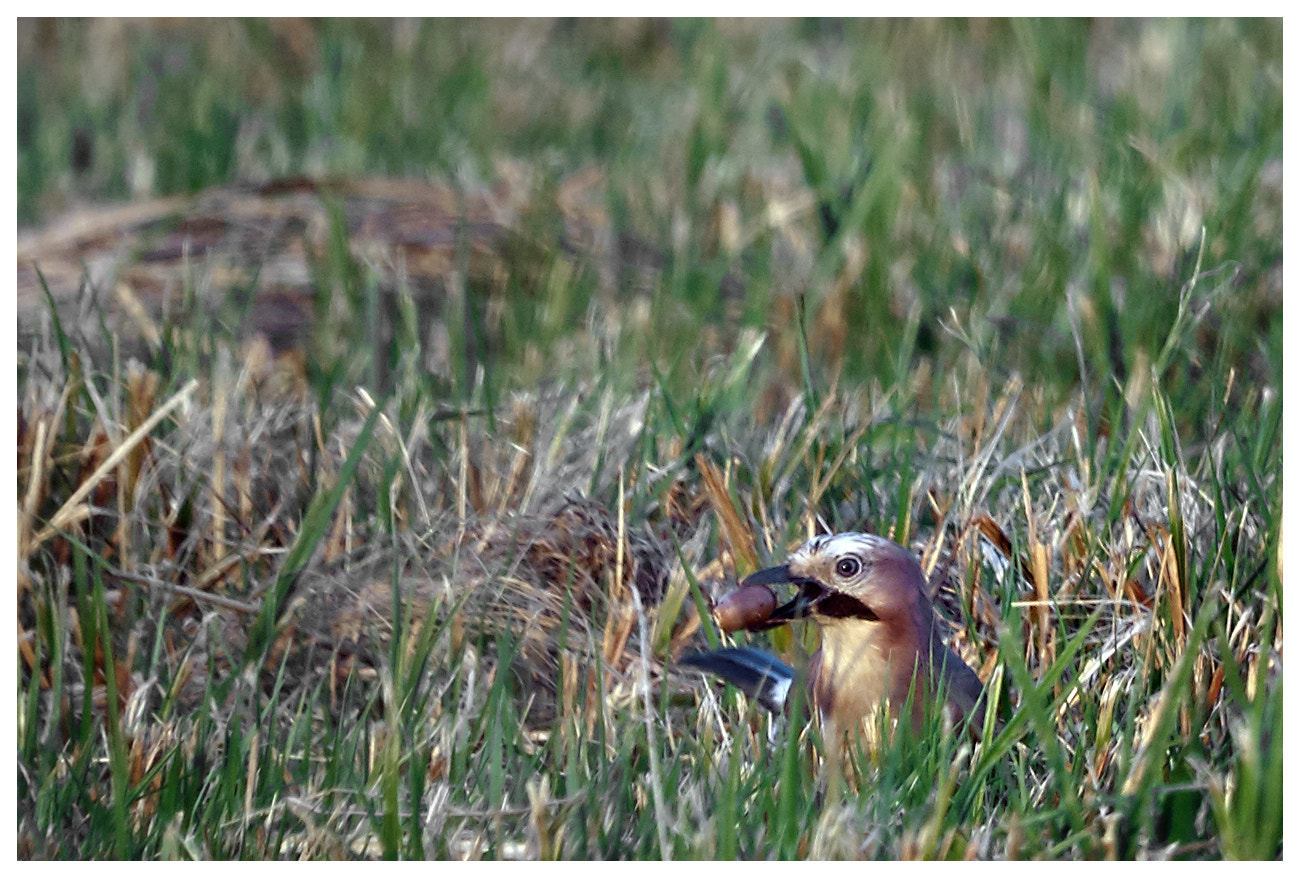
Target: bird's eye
x=848, y=567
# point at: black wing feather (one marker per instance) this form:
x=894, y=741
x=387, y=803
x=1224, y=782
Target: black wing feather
x=761, y=676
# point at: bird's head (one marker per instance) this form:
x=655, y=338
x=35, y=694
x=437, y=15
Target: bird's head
x=847, y=576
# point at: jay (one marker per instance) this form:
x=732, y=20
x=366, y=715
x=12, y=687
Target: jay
x=881, y=639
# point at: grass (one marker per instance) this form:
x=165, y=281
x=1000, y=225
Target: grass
x=413, y=585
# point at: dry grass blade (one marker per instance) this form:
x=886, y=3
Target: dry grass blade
x=198, y=594
x=740, y=539
x=36, y=480
x=72, y=509
x=31, y=501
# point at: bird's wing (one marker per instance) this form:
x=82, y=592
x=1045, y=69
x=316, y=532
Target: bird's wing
x=964, y=690
x=761, y=676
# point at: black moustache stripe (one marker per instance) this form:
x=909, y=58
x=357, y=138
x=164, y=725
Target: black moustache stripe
x=841, y=606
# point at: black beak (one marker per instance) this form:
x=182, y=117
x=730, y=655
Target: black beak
x=768, y=576
x=798, y=607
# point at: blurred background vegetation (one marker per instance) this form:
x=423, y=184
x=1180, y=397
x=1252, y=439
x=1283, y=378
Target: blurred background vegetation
x=1033, y=191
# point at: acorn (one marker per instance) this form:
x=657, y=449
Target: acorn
x=745, y=608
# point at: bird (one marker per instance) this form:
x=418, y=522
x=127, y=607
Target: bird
x=881, y=643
